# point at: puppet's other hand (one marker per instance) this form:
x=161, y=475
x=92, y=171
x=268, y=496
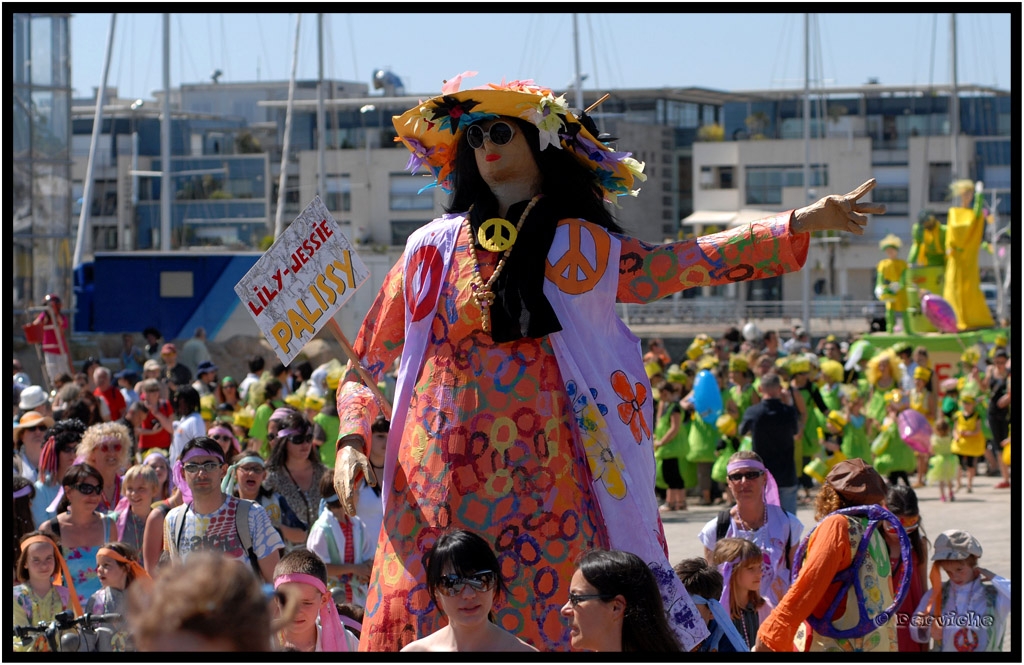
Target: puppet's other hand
x=350, y=467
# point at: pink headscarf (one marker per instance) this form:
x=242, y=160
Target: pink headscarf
x=771, y=489
x=179, y=470
x=333, y=632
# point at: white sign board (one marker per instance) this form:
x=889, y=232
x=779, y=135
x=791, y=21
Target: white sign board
x=302, y=281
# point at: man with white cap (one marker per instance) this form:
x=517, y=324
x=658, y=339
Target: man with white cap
x=968, y=611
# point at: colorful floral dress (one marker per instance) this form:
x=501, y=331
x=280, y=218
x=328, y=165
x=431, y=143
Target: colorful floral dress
x=490, y=443
x=30, y=609
x=82, y=563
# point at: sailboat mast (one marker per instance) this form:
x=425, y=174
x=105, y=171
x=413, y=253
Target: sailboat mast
x=576, y=50
x=165, y=142
x=101, y=94
x=805, y=274
x=954, y=102
x=286, y=143
x=321, y=143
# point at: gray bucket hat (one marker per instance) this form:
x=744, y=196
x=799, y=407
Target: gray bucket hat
x=955, y=545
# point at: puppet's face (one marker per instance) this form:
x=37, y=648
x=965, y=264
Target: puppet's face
x=505, y=164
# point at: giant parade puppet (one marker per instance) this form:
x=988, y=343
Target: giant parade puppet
x=522, y=409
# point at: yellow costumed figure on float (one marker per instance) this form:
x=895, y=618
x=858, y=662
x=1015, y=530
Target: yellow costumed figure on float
x=890, y=285
x=965, y=230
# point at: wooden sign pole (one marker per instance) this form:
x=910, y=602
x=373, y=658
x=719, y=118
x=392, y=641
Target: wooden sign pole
x=354, y=361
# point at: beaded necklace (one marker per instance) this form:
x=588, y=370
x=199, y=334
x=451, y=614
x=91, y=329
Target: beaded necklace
x=482, y=293
x=749, y=527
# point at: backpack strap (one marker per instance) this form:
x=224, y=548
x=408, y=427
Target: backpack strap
x=245, y=536
x=179, y=528
x=722, y=525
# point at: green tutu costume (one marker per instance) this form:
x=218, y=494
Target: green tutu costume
x=943, y=463
x=894, y=455
x=687, y=470
x=855, y=440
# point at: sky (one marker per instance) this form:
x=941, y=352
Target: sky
x=722, y=51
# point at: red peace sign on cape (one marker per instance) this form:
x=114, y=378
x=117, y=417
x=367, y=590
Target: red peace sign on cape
x=423, y=281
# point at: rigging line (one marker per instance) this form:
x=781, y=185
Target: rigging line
x=546, y=56
x=184, y=51
x=263, y=48
x=120, y=62
x=526, y=43
x=210, y=42
x=593, y=52
x=602, y=37
x=154, y=44
x=787, y=24
x=224, y=50
x=352, y=44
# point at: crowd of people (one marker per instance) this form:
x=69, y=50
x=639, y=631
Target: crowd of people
x=110, y=498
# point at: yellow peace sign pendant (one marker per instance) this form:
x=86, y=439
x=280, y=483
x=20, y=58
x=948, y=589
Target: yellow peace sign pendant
x=500, y=238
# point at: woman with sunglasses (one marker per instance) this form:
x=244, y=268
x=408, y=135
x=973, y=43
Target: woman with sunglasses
x=615, y=605
x=902, y=502
x=464, y=581
x=757, y=517
x=80, y=528
x=107, y=447
x=294, y=470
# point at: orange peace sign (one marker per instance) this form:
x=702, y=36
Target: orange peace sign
x=585, y=259
x=501, y=238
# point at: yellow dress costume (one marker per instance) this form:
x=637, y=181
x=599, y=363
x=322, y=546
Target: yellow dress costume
x=965, y=230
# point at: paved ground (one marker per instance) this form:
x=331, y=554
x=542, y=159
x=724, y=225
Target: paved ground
x=985, y=513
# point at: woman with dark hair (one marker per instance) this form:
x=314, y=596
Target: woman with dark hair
x=512, y=356
x=79, y=528
x=58, y=454
x=294, y=470
x=902, y=502
x=615, y=605
x=464, y=581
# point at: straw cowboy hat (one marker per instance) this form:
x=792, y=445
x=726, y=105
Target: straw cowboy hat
x=431, y=130
x=31, y=419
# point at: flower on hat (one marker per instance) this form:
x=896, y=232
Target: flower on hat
x=431, y=129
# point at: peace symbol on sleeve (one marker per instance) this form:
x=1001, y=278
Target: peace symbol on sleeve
x=580, y=268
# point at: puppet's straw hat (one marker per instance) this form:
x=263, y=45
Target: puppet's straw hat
x=431, y=131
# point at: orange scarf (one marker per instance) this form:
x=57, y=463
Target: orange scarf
x=138, y=572
x=62, y=569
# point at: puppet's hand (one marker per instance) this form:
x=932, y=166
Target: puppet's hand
x=837, y=212
x=349, y=467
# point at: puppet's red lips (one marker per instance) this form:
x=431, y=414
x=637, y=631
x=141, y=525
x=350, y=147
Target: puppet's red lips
x=492, y=157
